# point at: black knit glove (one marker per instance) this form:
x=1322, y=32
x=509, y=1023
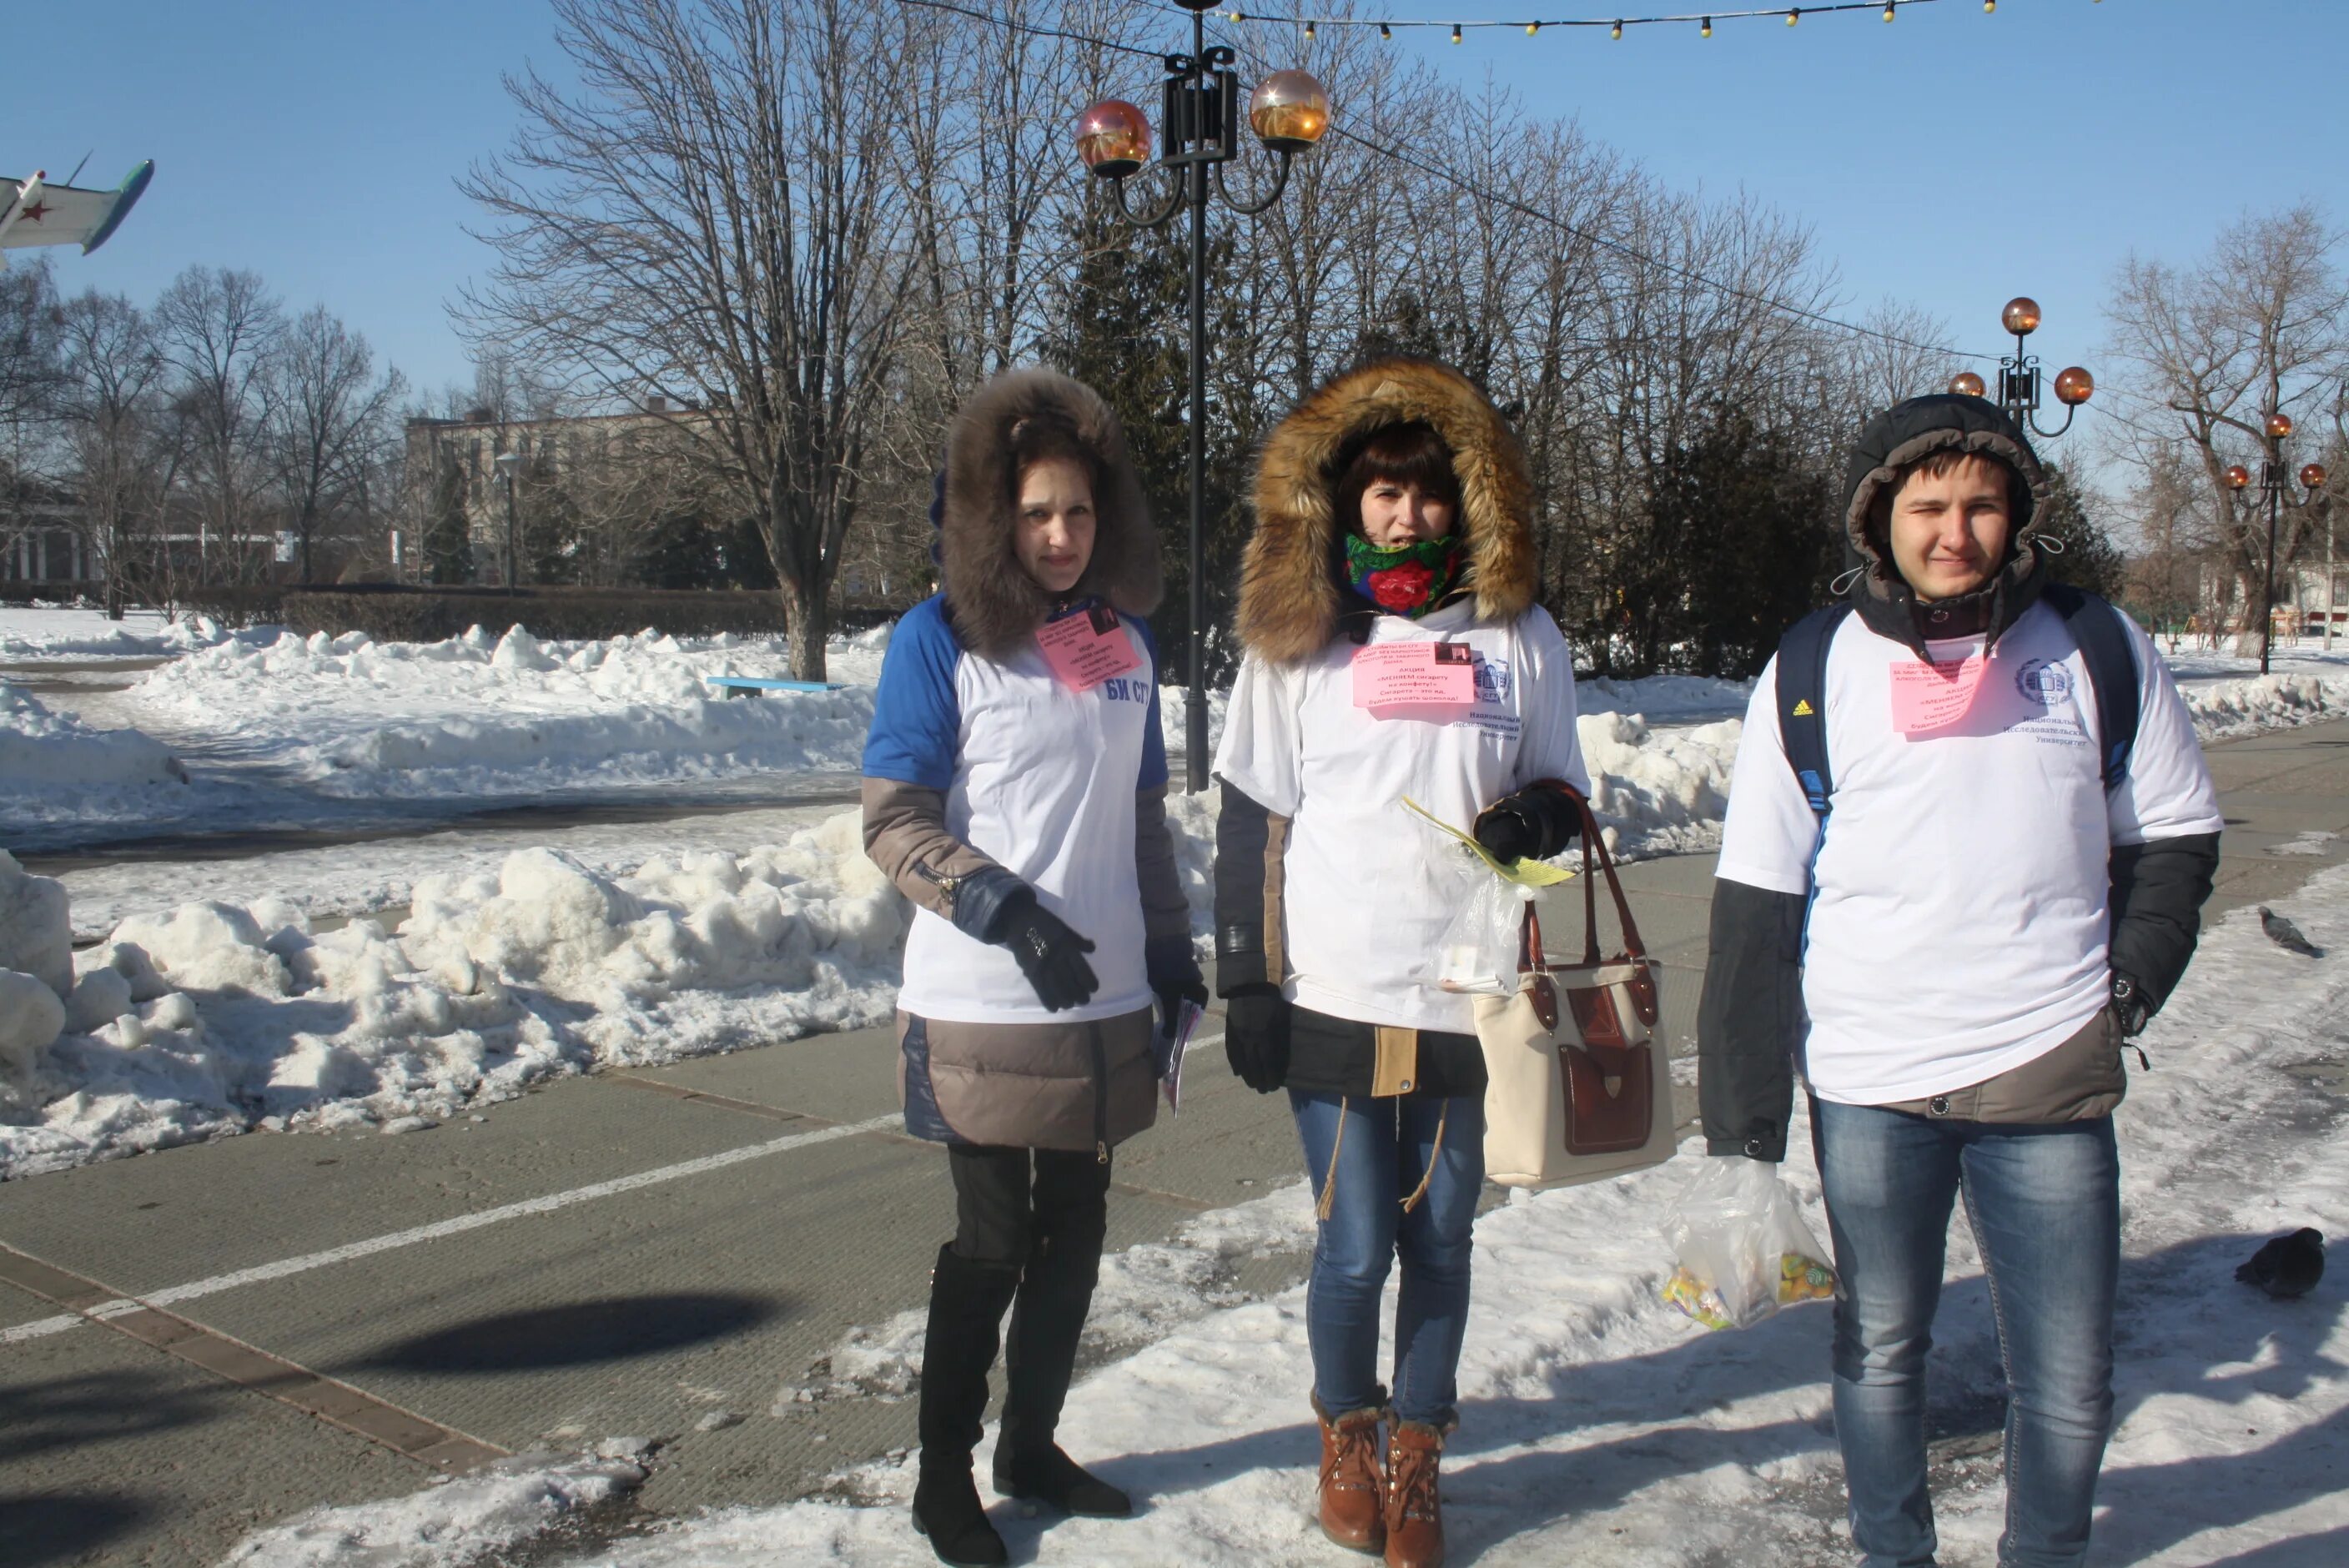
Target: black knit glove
x=1256, y=1036
x=1540, y=820
x=1051, y=955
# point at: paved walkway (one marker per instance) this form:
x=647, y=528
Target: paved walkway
x=202, y=1341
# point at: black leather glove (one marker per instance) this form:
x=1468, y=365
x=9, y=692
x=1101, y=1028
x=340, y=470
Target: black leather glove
x=1051, y=955
x=1256, y=1036
x=1174, y=976
x=1540, y=820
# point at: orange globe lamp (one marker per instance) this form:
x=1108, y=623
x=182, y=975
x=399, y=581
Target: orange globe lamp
x=1113, y=139
x=1966, y=384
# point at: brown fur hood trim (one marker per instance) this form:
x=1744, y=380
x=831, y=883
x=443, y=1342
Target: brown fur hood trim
x=994, y=605
x=1291, y=598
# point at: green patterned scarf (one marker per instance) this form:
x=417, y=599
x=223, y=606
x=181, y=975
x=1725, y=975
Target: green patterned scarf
x=1408, y=580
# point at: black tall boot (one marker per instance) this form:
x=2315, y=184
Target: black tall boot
x=966, y=1303
x=1039, y=1360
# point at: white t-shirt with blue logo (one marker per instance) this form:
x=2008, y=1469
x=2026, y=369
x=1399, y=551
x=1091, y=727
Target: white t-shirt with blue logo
x=1960, y=892
x=1041, y=780
x=1368, y=888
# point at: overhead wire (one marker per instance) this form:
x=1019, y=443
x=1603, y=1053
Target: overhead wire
x=1524, y=209
x=1532, y=26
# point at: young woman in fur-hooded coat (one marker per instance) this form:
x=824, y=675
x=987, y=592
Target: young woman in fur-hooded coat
x=1394, y=531
x=1018, y=799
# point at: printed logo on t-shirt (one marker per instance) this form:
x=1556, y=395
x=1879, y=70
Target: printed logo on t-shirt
x=2044, y=681
x=1496, y=687
x=1120, y=689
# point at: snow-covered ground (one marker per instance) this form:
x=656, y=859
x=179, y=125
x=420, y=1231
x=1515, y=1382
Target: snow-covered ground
x=225, y=994
x=44, y=632
x=1600, y=1425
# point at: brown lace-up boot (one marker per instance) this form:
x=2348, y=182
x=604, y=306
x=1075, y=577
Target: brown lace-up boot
x=1415, y=1512
x=1353, y=1493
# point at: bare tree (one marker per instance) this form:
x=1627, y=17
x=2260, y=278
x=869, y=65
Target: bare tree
x=717, y=207
x=218, y=329
x=329, y=421
x=2259, y=324
x=118, y=460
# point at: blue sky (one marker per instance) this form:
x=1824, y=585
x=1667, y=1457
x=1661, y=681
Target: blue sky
x=1951, y=158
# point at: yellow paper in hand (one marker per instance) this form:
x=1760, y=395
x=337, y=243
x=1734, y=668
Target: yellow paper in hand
x=1526, y=873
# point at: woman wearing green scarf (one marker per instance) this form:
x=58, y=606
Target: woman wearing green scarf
x=1394, y=648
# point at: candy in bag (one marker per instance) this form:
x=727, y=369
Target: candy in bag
x=1740, y=1246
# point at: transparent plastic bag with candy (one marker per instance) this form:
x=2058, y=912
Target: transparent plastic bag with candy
x=1479, y=949
x=1741, y=1247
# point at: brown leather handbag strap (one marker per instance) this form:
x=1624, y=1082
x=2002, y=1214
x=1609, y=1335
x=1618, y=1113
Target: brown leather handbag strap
x=1594, y=846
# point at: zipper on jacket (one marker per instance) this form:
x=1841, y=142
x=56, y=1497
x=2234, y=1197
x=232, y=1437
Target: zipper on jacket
x=1101, y=1094
x=947, y=886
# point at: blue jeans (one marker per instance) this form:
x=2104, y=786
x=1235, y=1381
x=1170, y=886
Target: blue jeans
x=2044, y=1204
x=1389, y=1145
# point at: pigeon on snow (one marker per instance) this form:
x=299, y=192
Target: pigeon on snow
x=2286, y=934
x=2287, y=1267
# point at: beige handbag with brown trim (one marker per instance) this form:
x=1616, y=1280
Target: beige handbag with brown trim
x=1577, y=1085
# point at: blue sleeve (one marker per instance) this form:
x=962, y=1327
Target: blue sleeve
x=917, y=717
x=1154, y=734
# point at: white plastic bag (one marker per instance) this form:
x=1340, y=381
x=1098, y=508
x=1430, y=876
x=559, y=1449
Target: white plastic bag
x=1479, y=949
x=1741, y=1246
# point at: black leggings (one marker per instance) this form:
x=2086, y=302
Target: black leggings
x=1006, y=1217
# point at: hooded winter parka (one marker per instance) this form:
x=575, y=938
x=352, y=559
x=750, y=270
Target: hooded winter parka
x=1326, y=886
x=985, y=776
x=1752, y=1021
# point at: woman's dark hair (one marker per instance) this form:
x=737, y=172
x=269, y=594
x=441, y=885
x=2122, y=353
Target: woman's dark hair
x=1411, y=454
x=1041, y=437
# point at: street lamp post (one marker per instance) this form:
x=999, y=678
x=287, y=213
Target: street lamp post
x=2312, y=478
x=2018, y=383
x=2271, y=485
x=509, y=466
x=1200, y=121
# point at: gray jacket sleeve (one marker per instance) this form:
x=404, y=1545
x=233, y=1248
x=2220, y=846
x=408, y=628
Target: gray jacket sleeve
x=1749, y=1019
x=906, y=835
x=1165, y=912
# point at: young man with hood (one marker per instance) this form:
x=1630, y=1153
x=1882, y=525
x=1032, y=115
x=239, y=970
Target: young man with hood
x=1015, y=784
x=1952, y=924
x=1394, y=536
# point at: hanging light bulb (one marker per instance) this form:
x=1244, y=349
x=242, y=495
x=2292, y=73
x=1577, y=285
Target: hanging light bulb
x=1705, y=31
x=1887, y=13
x=1989, y=6
x=1455, y=32
x=1385, y=31
x=1618, y=33
x=1531, y=29
x=1309, y=32
x=1794, y=15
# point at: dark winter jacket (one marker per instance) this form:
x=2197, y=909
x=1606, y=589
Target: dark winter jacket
x=1750, y=1019
x=1056, y=1085
x=1293, y=602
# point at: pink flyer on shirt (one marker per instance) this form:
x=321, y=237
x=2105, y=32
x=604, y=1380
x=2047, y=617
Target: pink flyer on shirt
x=1415, y=675
x=1931, y=696
x=1087, y=648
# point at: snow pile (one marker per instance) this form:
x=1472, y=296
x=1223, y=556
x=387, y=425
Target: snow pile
x=453, y=1522
x=2227, y=708
x=47, y=632
x=51, y=762
x=477, y=715
x=1679, y=698
x=216, y=1017
x=1657, y=793
x=1599, y=1425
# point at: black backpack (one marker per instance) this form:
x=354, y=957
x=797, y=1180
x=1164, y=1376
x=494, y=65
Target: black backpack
x=1803, y=679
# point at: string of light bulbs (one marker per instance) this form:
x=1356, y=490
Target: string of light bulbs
x=1526, y=209
x=1792, y=15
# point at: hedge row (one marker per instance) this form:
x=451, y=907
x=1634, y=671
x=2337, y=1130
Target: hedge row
x=393, y=613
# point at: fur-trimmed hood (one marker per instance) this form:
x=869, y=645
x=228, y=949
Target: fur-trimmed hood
x=1900, y=436
x=1291, y=592
x=994, y=605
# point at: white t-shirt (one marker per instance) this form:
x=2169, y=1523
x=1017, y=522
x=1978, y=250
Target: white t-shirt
x=1369, y=887
x=1960, y=895
x=1041, y=780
